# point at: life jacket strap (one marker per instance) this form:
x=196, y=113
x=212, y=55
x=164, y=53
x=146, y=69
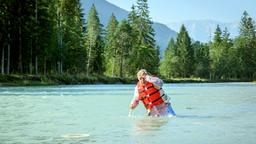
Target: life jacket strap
x=147, y=89
x=151, y=94
x=156, y=99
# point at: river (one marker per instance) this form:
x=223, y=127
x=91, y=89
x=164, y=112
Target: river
x=207, y=113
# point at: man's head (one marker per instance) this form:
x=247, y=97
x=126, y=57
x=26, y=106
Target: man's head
x=141, y=75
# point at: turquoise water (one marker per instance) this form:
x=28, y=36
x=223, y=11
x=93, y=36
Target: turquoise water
x=206, y=114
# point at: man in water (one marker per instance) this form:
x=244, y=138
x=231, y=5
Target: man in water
x=149, y=91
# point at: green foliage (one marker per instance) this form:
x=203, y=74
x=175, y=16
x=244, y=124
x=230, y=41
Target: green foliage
x=184, y=53
x=202, y=59
x=169, y=64
x=246, y=47
x=144, y=53
x=74, y=52
x=110, y=47
x=44, y=37
x=234, y=59
x=94, y=43
x=216, y=50
x=223, y=56
x=123, y=44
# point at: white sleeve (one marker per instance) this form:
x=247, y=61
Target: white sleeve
x=136, y=93
x=155, y=80
x=135, y=99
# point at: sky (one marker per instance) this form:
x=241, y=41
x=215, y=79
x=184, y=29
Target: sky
x=167, y=11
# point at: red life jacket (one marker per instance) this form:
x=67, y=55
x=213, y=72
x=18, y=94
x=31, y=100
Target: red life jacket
x=149, y=95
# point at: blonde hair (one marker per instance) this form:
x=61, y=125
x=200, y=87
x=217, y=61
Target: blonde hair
x=141, y=73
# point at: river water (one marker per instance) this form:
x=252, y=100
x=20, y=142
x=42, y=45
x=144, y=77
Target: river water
x=212, y=113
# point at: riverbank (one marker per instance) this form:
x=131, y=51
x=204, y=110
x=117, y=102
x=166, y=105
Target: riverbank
x=38, y=80
x=201, y=80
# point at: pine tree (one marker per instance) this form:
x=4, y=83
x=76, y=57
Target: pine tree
x=217, y=35
x=169, y=64
x=26, y=23
x=144, y=25
x=59, y=34
x=110, y=48
x=45, y=36
x=73, y=36
x=133, y=21
x=226, y=56
x=123, y=46
x=94, y=43
x=4, y=31
x=247, y=26
x=185, y=53
x=246, y=46
x=18, y=34
x=144, y=42
x=215, y=54
x=202, y=59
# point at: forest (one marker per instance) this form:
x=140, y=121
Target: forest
x=53, y=38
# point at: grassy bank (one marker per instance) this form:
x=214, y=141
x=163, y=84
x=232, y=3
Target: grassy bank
x=29, y=80
x=201, y=80
x=34, y=80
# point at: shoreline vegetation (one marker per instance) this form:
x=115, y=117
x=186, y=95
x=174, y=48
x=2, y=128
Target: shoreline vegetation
x=64, y=46
x=46, y=80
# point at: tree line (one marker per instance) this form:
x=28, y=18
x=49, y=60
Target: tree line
x=222, y=58
x=53, y=37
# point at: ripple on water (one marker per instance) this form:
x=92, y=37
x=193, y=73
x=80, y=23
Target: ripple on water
x=42, y=115
x=74, y=138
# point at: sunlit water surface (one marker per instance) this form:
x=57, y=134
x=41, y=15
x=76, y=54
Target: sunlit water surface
x=220, y=113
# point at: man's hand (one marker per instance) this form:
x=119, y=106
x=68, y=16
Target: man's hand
x=132, y=106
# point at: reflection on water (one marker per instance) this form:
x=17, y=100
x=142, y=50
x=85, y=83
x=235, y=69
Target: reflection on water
x=147, y=124
x=145, y=130
x=194, y=116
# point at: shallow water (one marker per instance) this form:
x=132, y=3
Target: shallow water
x=206, y=114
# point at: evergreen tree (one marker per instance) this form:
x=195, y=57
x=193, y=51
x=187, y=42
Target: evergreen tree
x=226, y=56
x=202, y=59
x=184, y=53
x=215, y=54
x=233, y=62
x=94, y=43
x=217, y=36
x=246, y=46
x=169, y=64
x=73, y=36
x=110, y=48
x=45, y=37
x=18, y=24
x=144, y=42
x=5, y=18
x=144, y=25
x=123, y=44
x=133, y=21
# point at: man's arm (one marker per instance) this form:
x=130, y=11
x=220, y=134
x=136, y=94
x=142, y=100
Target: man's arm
x=135, y=100
x=158, y=83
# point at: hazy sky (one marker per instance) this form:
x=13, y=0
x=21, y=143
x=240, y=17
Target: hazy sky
x=166, y=11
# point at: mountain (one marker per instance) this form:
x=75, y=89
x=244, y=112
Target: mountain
x=203, y=30
x=162, y=33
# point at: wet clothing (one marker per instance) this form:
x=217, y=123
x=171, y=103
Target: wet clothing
x=164, y=109
x=156, y=105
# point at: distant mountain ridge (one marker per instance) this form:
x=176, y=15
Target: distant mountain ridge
x=162, y=33
x=203, y=30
